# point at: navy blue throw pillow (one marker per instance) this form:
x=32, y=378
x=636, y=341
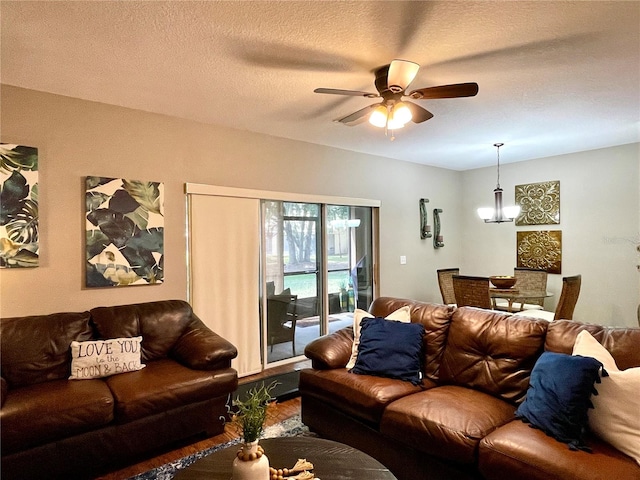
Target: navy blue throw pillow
x=559, y=396
x=390, y=349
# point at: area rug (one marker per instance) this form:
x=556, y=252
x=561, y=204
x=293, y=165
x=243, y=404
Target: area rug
x=291, y=427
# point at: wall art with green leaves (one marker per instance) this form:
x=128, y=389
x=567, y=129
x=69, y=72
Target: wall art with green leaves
x=19, y=246
x=124, y=232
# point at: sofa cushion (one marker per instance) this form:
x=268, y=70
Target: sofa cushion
x=559, y=396
x=159, y=323
x=103, y=358
x=622, y=343
x=36, y=348
x=517, y=451
x=362, y=396
x=491, y=351
x=165, y=384
x=39, y=413
x=615, y=416
x=434, y=318
x=399, y=315
x=390, y=349
x=447, y=421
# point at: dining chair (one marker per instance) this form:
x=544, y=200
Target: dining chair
x=472, y=291
x=566, y=303
x=445, y=281
x=281, y=320
x=530, y=280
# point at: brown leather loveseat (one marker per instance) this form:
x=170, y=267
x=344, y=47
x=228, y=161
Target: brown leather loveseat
x=54, y=427
x=460, y=423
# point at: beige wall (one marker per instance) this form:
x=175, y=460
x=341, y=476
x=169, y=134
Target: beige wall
x=77, y=138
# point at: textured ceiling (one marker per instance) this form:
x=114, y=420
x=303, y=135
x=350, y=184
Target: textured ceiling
x=554, y=77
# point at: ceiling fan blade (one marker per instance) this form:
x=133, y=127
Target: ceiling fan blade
x=418, y=114
x=446, y=91
x=401, y=74
x=354, y=93
x=356, y=117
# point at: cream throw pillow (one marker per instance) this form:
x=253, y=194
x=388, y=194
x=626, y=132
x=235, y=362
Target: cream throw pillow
x=403, y=315
x=102, y=358
x=616, y=414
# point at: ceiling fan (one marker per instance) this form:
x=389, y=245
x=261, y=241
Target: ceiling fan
x=394, y=111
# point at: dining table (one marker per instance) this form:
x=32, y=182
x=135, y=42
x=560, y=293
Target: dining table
x=515, y=295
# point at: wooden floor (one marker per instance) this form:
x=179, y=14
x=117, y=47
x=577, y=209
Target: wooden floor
x=280, y=412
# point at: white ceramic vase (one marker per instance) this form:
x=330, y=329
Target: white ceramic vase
x=251, y=463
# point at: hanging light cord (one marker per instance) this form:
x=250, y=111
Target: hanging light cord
x=498, y=145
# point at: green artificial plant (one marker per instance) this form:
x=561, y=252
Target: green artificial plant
x=249, y=415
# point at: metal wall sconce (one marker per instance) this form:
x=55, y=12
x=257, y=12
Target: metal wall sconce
x=425, y=230
x=437, y=237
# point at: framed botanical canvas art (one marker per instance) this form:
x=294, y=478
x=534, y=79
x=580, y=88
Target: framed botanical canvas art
x=541, y=250
x=124, y=232
x=19, y=239
x=539, y=203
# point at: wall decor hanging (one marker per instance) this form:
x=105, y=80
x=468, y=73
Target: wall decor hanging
x=539, y=203
x=438, y=239
x=124, y=232
x=425, y=228
x=541, y=250
x=19, y=245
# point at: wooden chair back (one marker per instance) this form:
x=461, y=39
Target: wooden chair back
x=531, y=279
x=445, y=280
x=472, y=291
x=568, y=297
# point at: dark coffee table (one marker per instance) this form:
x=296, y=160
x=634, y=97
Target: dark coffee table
x=331, y=460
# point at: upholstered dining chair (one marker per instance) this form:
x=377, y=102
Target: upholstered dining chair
x=281, y=320
x=530, y=280
x=445, y=281
x=472, y=291
x=566, y=303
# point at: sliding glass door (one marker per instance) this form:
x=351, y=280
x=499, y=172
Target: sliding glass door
x=318, y=268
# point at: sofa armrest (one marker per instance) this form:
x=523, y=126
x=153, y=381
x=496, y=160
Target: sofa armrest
x=331, y=351
x=201, y=348
x=4, y=388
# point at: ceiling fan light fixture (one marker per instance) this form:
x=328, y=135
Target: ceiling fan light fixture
x=401, y=74
x=378, y=117
x=401, y=113
x=394, y=124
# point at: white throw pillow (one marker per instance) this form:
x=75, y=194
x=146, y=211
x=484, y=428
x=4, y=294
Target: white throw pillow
x=102, y=358
x=616, y=414
x=403, y=314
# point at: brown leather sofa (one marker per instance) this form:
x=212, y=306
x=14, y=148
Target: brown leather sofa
x=460, y=424
x=53, y=427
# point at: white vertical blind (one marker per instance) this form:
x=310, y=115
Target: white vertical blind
x=224, y=256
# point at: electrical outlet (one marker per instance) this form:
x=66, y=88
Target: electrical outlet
x=403, y=260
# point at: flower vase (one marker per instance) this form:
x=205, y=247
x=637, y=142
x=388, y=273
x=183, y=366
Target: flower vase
x=251, y=463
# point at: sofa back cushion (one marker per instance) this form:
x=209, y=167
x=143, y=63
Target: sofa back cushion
x=435, y=319
x=35, y=348
x=159, y=323
x=492, y=352
x=621, y=342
